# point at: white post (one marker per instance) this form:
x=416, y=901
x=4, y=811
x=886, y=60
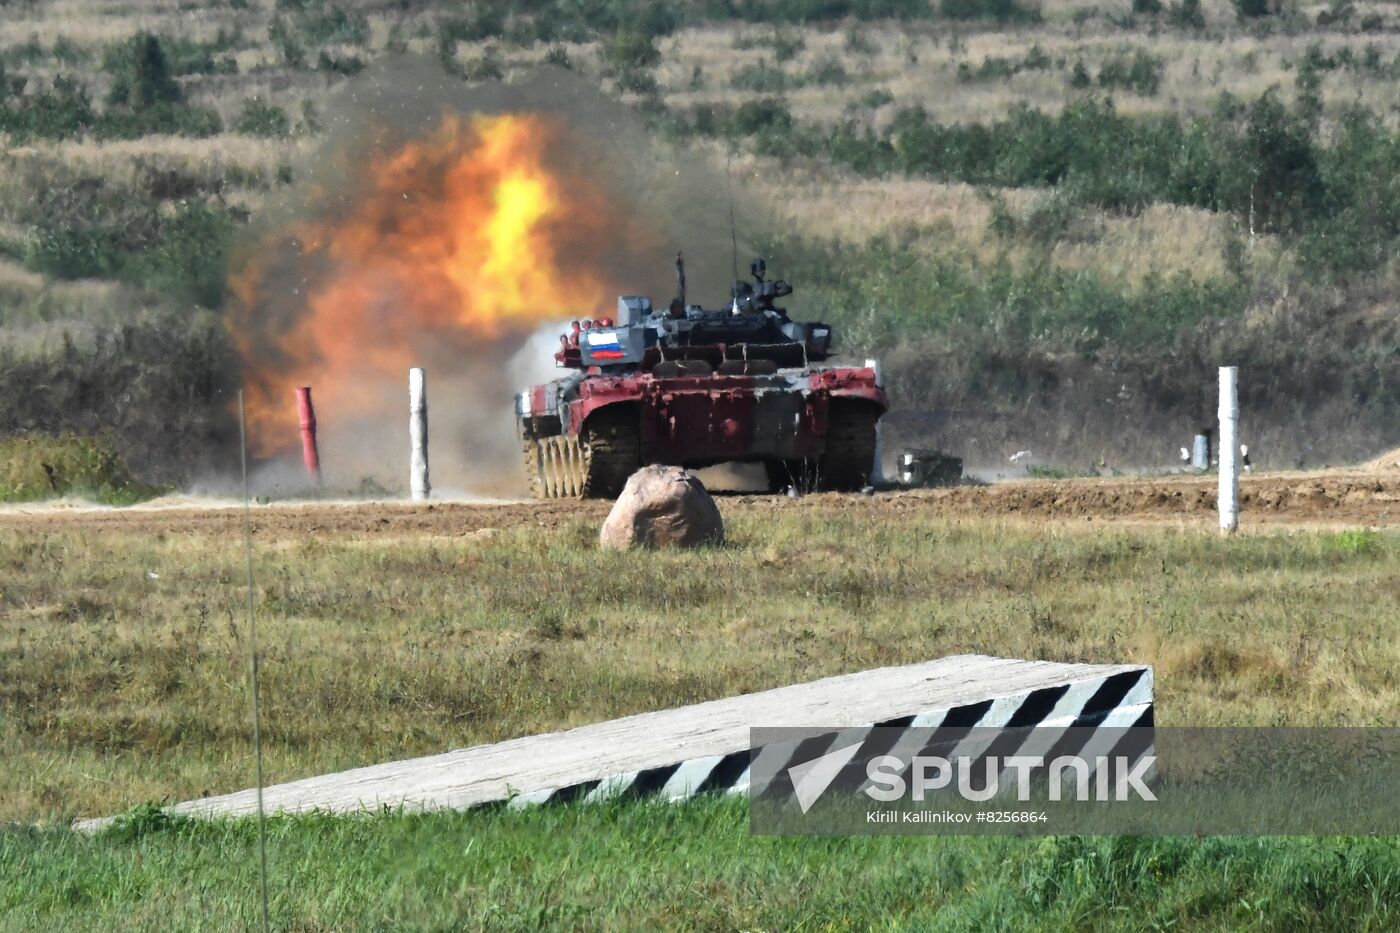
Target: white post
x=418, y=434
x=1200, y=452
x=877, y=469
x=1229, y=498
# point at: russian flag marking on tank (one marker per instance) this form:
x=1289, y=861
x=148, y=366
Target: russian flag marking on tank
x=603, y=345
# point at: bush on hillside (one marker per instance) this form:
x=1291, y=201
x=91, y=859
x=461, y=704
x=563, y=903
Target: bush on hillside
x=1002, y=11
x=184, y=254
x=161, y=386
x=41, y=466
x=63, y=111
x=262, y=119
x=140, y=73
x=1140, y=73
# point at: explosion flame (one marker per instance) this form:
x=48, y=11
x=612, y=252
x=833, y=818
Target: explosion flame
x=455, y=245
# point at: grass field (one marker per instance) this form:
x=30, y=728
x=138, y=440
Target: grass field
x=120, y=687
x=124, y=682
x=690, y=866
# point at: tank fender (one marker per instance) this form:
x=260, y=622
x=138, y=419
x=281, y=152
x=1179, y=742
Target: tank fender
x=849, y=383
x=603, y=392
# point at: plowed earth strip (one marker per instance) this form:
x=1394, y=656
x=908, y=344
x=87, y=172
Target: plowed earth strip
x=1351, y=498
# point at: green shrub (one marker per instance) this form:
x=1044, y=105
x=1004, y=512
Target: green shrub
x=140, y=73
x=1252, y=9
x=877, y=97
x=189, y=256
x=160, y=386
x=761, y=78
x=262, y=119
x=827, y=71
x=10, y=87
x=144, y=820
x=41, y=467
x=767, y=115
x=171, y=119
x=283, y=37
x=631, y=50
x=184, y=255
x=62, y=112
x=486, y=68
x=993, y=68
x=1338, y=14
x=183, y=56
x=815, y=11
x=786, y=44
x=346, y=65
x=1002, y=11
x=1140, y=73
x=334, y=24
x=483, y=21
x=1187, y=15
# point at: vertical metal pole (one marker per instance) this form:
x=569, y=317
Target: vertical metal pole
x=306, y=415
x=253, y=659
x=877, y=469
x=418, y=434
x=1229, y=497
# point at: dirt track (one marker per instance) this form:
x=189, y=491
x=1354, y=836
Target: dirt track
x=1336, y=497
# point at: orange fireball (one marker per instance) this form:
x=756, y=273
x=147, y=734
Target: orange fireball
x=468, y=238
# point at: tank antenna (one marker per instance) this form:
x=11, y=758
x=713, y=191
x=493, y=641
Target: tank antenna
x=733, y=232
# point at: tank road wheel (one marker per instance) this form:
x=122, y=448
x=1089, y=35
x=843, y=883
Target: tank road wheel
x=563, y=467
x=534, y=467
x=850, y=446
x=554, y=466
x=612, y=452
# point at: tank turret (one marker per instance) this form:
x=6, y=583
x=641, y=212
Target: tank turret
x=752, y=328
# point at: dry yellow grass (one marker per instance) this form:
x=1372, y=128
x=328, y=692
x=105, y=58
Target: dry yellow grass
x=1163, y=240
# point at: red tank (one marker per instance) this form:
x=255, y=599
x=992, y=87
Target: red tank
x=696, y=387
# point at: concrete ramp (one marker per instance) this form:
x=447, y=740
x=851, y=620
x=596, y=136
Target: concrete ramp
x=677, y=753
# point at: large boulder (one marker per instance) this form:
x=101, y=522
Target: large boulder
x=662, y=506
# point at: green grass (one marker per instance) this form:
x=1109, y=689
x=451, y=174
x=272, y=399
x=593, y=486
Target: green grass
x=690, y=866
x=118, y=686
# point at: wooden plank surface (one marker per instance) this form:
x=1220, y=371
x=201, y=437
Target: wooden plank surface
x=677, y=752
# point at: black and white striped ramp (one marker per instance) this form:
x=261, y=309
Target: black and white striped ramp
x=703, y=748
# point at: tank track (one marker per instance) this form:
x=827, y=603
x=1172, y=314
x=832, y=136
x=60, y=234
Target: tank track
x=564, y=467
x=846, y=463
